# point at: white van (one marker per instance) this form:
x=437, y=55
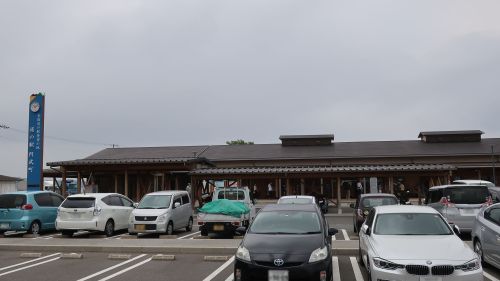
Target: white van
x=162, y=212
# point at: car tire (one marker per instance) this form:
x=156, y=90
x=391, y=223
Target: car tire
x=109, y=228
x=67, y=233
x=189, y=227
x=35, y=228
x=170, y=228
x=478, y=248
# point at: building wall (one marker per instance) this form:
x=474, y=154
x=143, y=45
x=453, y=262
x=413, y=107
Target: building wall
x=8, y=186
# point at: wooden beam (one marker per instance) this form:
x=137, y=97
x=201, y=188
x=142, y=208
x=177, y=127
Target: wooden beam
x=116, y=183
x=79, y=183
x=126, y=183
x=63, y=183
x=339, y=193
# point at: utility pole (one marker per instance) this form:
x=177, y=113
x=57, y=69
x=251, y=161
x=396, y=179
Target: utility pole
x=493, y=165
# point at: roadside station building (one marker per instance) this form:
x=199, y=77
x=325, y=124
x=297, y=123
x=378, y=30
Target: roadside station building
x=300, y=164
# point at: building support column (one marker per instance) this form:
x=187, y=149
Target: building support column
x=137, y=187
x=63, y=182
x=176, y=182
x=116, y=183
x=126, y=183
x=338, y=195
x=302, y=186
x=391, y=184
x=279, y=188
x=79, y=183
x=321, y=184
x=288, y=192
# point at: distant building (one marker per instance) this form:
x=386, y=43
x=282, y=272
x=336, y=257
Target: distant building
x=300, y=164
x=9, y=184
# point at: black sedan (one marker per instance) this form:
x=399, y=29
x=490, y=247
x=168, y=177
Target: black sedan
x=286, y=242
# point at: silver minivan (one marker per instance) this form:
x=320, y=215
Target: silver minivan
x=162, y=212
x=459, y=204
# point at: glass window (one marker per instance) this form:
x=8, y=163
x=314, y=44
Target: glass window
x=177, y=200
x=43, y=199
x=493, y=215
x=232, y=195
x=369, y=219
x=468, y=194
x=370, y=202
x=115, y=201
x=286, y=222
x=435, y=195
x=411, y=224
x=12, y=200
x=295, y=201
x=56, y=200
x=155, y=202
x=78, y=202
x=185, y=199
x=126, y=202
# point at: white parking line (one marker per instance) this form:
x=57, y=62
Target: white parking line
x=29, y=266
x=489, y=276
x=116, y=236
x=356, y=269
x=230, y=277
x=336, y=268
x=218, y=270
x=125, y=270
x=334, y=237
x=30, y=261
x=344, y=232
x=191, y=234
x=110, y=268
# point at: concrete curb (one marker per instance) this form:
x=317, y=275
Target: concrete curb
x=30, y=255
x=72, y=256
x=161, y=257
x=119, y=257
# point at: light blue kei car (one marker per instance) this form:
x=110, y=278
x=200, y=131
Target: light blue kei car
x=33, y=212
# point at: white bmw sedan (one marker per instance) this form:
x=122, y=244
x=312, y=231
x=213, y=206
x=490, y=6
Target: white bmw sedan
x=414, y=243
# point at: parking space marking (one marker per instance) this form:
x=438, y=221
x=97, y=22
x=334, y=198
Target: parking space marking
x=336, y=268
x=29, y=266
x=334, y=237
x=344, y=232
x=111, y=268
x=116, y=236
x=230, y=277
x=30, y=261
x=356, y=269
x=219, y=270
x=125, y=270
x=489, y=276
x=191, y=234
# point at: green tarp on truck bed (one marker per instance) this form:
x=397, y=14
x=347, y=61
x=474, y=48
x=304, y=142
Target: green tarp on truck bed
x=226, y=207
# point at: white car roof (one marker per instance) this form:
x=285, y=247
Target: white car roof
x=297, y=196
x=478, y=182
x=92, y=195
x=168, y=192
x=388, y=209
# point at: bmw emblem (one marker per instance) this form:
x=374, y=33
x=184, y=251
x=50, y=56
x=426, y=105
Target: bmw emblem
x=279, y=262
x=428, y=262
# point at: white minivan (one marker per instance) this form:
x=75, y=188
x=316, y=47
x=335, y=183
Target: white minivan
x=162, y=212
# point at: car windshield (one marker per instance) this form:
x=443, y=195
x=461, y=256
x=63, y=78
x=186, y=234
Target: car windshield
x=411, y=224
x=78, y=202
x=295, y=201
x=9, y=201
x=155, y=202
x=371, y=202
x=286, y=222
x=231, y=195
x=467, y=194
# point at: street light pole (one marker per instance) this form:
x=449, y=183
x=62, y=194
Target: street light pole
x=493, y=165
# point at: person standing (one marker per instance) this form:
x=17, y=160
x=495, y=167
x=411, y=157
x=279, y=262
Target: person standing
x=269, y=190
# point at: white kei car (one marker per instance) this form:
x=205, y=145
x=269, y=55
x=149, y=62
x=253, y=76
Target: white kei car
x=414, y=243
x=105, y=212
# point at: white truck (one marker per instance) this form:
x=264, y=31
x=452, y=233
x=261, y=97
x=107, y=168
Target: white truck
x=226, y=224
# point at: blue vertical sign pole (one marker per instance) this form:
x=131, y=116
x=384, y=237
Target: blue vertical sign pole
x=35, y=142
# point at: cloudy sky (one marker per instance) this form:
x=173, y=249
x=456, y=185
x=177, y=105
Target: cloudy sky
x=190, y=72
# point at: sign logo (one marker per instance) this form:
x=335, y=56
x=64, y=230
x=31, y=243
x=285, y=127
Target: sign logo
x=428, y=262
x=279, y=262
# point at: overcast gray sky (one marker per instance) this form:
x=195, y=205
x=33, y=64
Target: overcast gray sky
x=154, y=73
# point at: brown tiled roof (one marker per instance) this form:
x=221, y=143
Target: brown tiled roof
x=6, y=178
x=323, y=169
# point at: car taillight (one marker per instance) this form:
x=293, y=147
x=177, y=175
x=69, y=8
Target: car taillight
x=200, y=223
x=446, y=202
x=488, y=202
x=236, y=223
x=97, y=211
x=27, y=207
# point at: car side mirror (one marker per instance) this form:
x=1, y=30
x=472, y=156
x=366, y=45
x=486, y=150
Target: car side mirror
x=351, y=205
x=332, y=231
x=177, y=205
x=456, y=229
x=136, y=205
x=366, y=229
x=241, y=230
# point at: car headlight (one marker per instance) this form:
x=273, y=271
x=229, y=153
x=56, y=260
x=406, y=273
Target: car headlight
x=473, y=264
x=243, y=254
x=385, y=264
x=161, y=218
x=319, y=254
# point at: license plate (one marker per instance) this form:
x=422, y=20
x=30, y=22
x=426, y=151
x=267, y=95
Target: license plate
x=4, y=226
x=219, y=227
x=277, y=275
x=431, y=278
x=140, y=227
x=467, y=211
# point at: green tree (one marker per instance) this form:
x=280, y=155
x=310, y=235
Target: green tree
x=238, y=141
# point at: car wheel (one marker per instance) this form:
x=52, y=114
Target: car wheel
x=109, y=229
x=35, y=228
x=478, y=248
x=67, y=232
x=189, y=227
x=170, y=228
